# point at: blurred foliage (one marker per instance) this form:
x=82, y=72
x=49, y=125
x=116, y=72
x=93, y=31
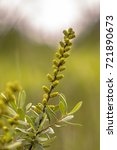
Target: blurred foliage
x=28, y=62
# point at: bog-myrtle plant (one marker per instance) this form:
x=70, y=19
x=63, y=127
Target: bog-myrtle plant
x=31, y=127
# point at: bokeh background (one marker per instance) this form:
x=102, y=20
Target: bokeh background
x=29, y=33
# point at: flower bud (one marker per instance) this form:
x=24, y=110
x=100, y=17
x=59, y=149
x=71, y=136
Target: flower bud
x=70, y=30
x=67, y=48
x=61, y=51
x=69, y=44
x=50, y=78
x=16, y=117
x=55, y=83
x=60, y=76
x=5, y=128
x=55, y=72
x=62, y=68
x=66, y=40
x=71, y=36
x=44, y=101
x=45, y=96
x=52, y=107
x=54, y=94
x=65, y=32
x=58, y=55
x=66, y=55
x=40, y=106
x=62, y=44
x=55, y=62
x=62, y=61
x=46, y=89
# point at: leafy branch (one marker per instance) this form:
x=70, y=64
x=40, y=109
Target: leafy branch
x=31, y=127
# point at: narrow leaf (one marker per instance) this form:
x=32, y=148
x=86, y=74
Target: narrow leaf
x=43, y=120
x=21, y=99
x=62, y=108
x=71, y=123
x=50, y=130
x=13, y=146
x=76, y=108
x=21, y=113
x=63, y=99
x=67, y=118
x=30, y=121
x=21, y=130
x=28, y=106
x=11, y=111
x=51, y=112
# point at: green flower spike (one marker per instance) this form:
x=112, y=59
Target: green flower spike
x=59, y=65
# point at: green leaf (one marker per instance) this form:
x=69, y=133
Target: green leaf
x=71, y=123
x=29, y=120
x=13, y=105
x=21, y=99
x=50, y=130
x=11, y=111
x=22, y=130
x=62, y=108
x=63, y=99
x=43, y=120
x=23, y=123
x=28, y=106
x=67, y=118
x=51, y=112
x=21, y=113
x=13, y=146
x=42, y=139
x=76, y=108
x=58, y=125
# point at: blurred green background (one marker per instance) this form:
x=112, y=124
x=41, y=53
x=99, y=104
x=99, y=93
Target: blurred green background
x=29, y=62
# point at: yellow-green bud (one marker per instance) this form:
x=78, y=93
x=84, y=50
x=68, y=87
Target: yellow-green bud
x=5, y=128
x=61, y=50
x=16, y=117
x=58, y=55
x=46, y=89
x=65, y=32
x=55, y=62
x=66, y=55
x=52, y=107
x=66, y=40
x=67, y=48
x=40, y=106
x=44, y=101
x=50, y=78
x=55, y=67
x=55, y=72
x=12, y=121
x=55, y=83
x=62, y=68
x=37, y=109
x=14, y=86
x=71, y=36
x=70, y=30
x=10, y=96
x=62, y=61
x=45, y=96
x=60, y=76
x=54, y=94
x=62, y=44
x=69, y=44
